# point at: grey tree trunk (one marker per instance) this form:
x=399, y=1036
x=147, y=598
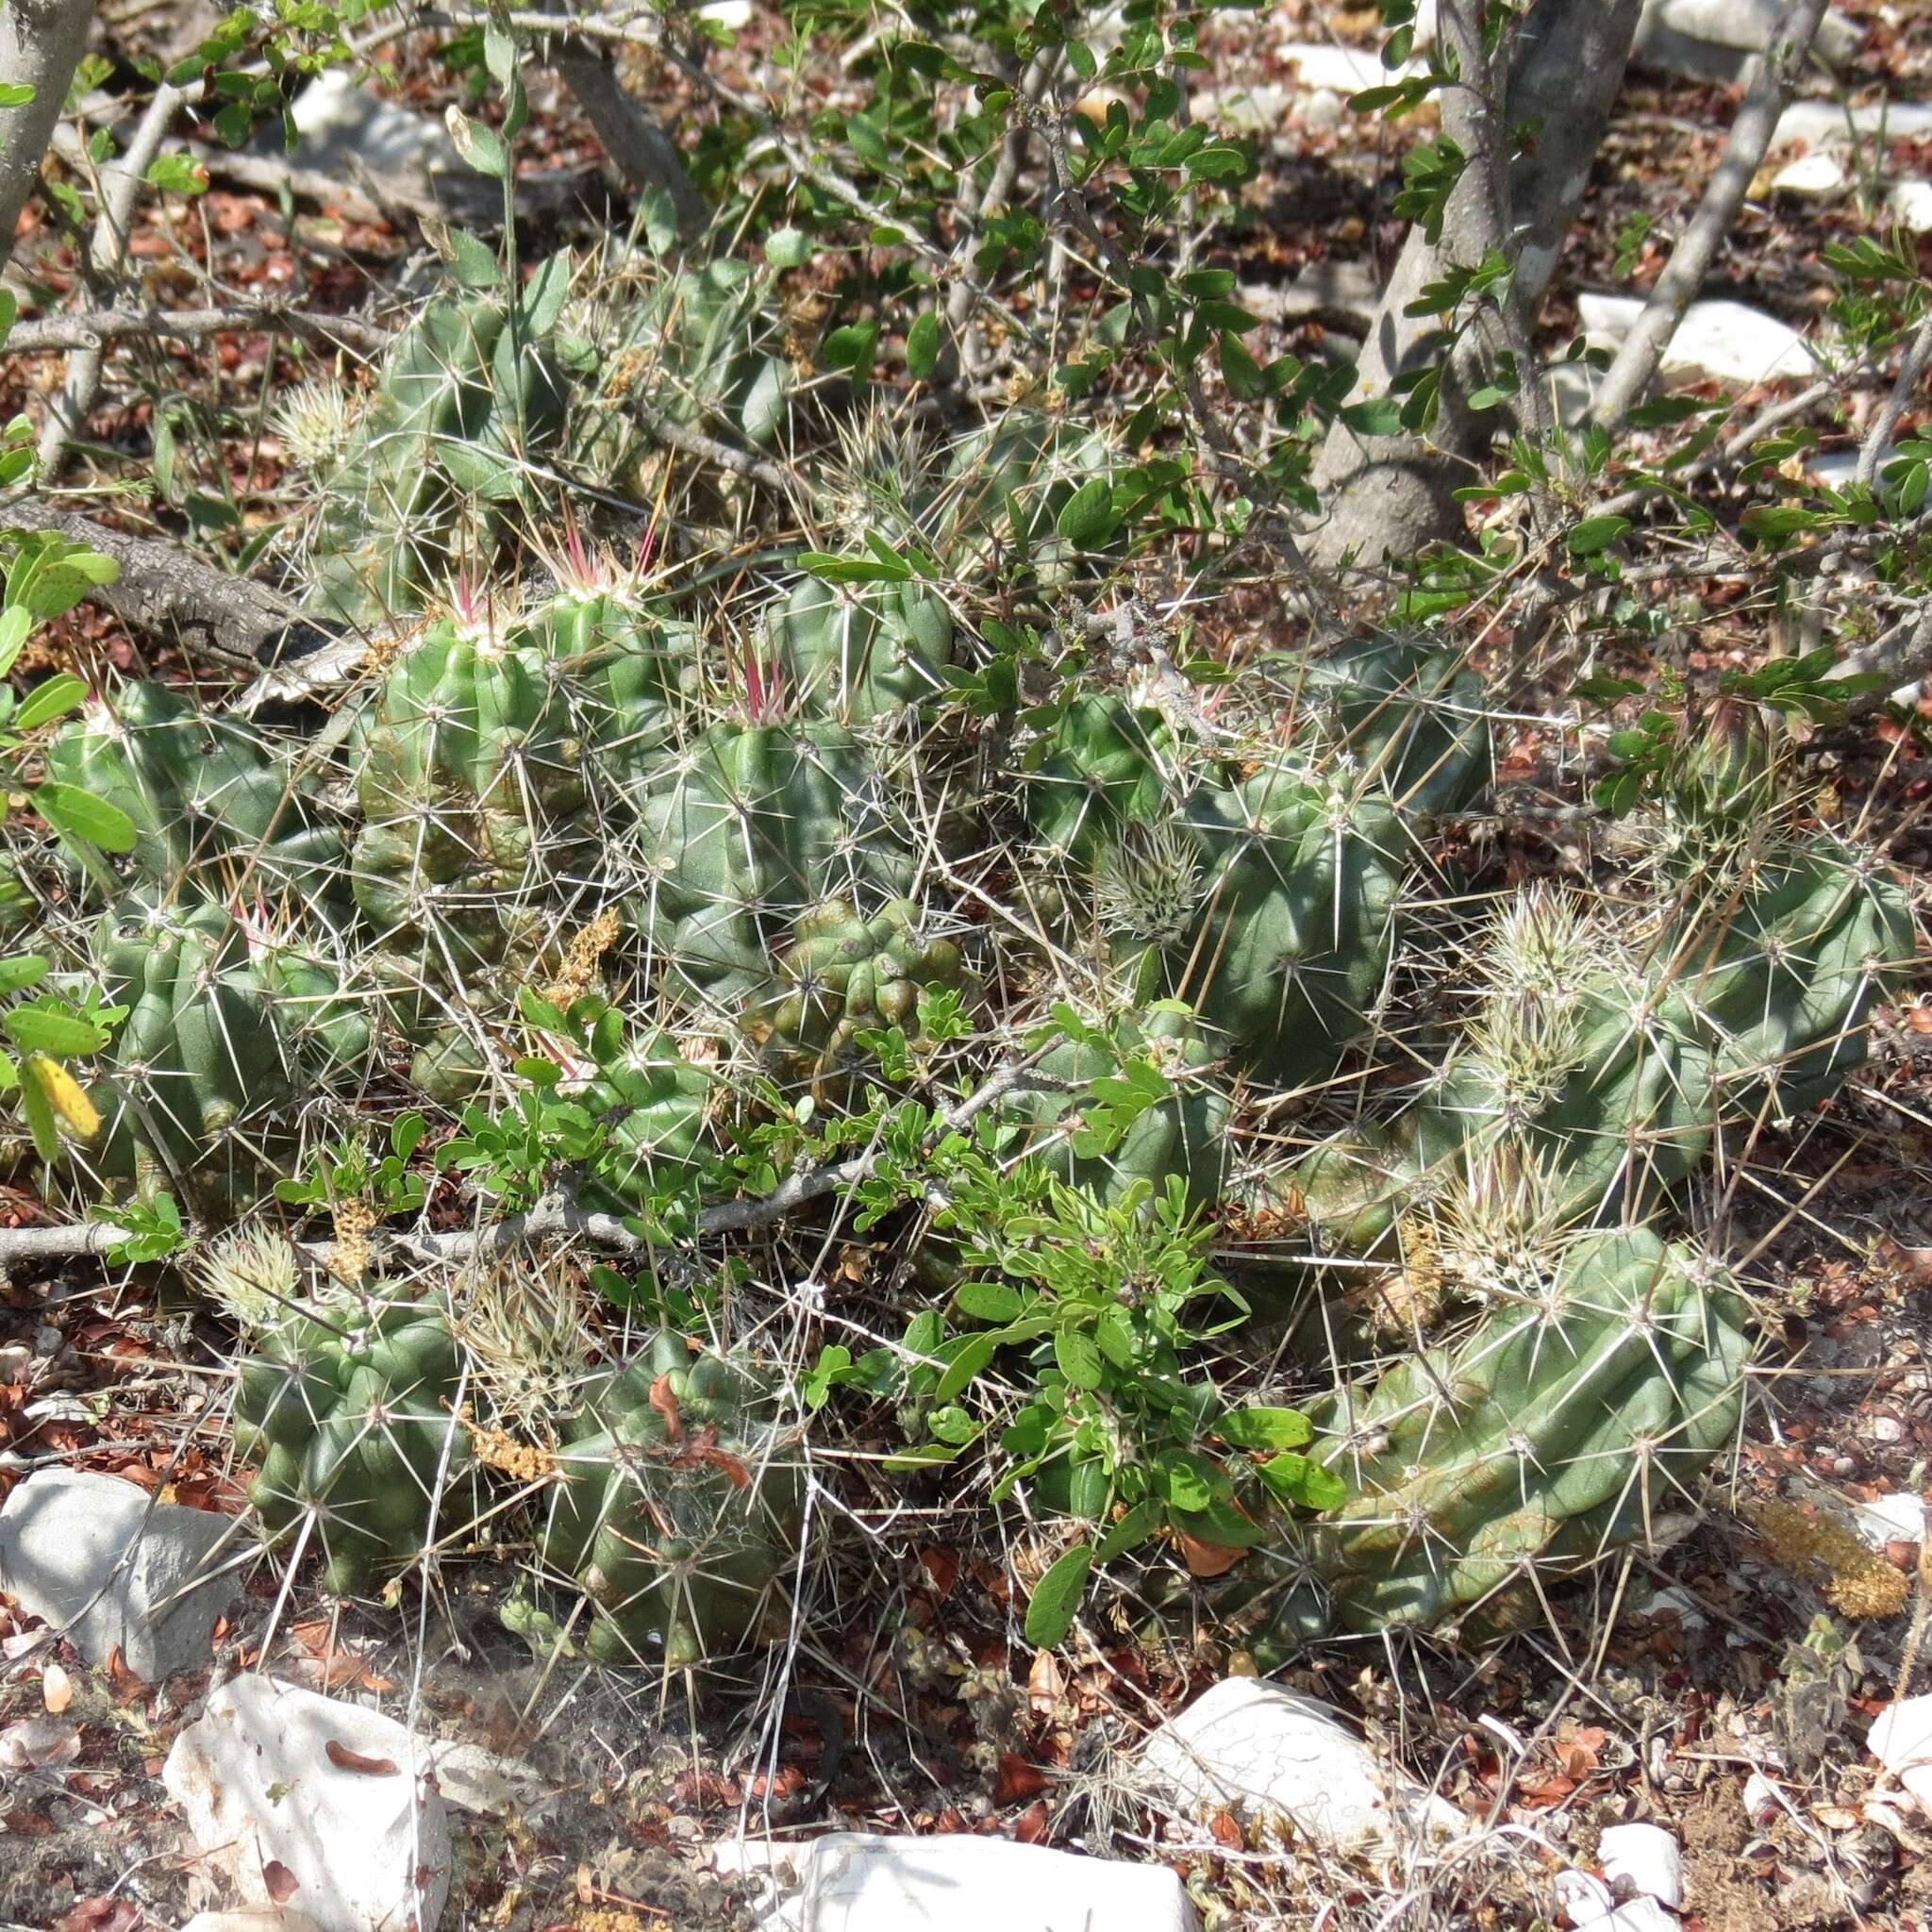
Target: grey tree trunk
x=41, y=43
x=1389, y=496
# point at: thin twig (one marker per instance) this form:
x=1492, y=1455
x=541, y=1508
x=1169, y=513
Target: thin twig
x=1911, y=371
x=121, y=186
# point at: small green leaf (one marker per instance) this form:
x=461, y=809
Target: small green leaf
x=49, y=700
x=787, y=247
x=1057, y=1597
x=16, y=622
x=922, y=346
x=79, y=814
x=1294, y=1479
x=1079, y=1358
x=1257, y=1427
x=472, y=262
x=1136, y=1526
x=15, y=94
x=40, y=1120
x=851, y=349
x=1378, y=416
x=481, y=146
x=987, y=1301
x=1594, y=534
x=1088, y=519
x=178, y=175
x=22, y=970
x=41, y=1029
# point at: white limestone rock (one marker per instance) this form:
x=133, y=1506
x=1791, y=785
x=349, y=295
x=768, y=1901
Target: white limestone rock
x=265, y=1918
x=1258, y=1748
x=1812, y=177
x=1911, y=203
x=1901, y=1740
x=1826, y=123
x=342, y=129
x=850, y=1881
x=64, y=1534
x=1346, y=70
x=1718, y=39
x=1646, y=1858
x=1729, y=341
x=305, y=1801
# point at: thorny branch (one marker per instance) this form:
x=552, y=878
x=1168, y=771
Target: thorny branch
x=559, y=1214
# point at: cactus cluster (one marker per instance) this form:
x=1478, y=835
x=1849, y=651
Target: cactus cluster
x=1622, y=1060
x=436, y=461
x=792, y=811
x=1576, y=1407
x=669, y=1491
x=679, y=1507
x=841, y=976
x=348, y=1413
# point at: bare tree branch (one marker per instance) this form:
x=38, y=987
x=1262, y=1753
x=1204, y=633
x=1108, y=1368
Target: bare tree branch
x=1643, y=348
x=91, y=329
x=1390, y=496
x=41, y=46
x=164, y=591
x=121, y=186
x=643, y=153
x=1911, y=372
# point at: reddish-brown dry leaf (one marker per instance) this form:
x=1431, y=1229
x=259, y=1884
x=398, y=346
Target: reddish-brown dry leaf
x=1224, y=1829
x=100, y=1915
x=666, y=1405
x=128, y=1687
x=1017, y=1780
x=1206, y=1559
x=1029, y=1828
x=281, y=1883
x=942, y=1568
x=1046, y=1684
x=345, y=1759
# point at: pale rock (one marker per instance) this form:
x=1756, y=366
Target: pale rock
x=1718, y=41
x=1258, y=1748
x=1837, y=469
x=1582, y=1899
x=1811, y=177
x=850, y=1881
x=263, y=1919
x=340, y=128
x=367, y=1847
x=1324, y=112
x=1901, y=1740
x=1673, y=1600
x=1346, y=70
x=1911, y=203
x=1727, y=341
x=1259, y=110
x=1827, y=124
x=63, y=1536
x=1638, y=1915
x=474, y=1779
x=1644, y=1857
x=1761, y=1800
x=1572, y=388
x=736, y=15
x=1899, y=1519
